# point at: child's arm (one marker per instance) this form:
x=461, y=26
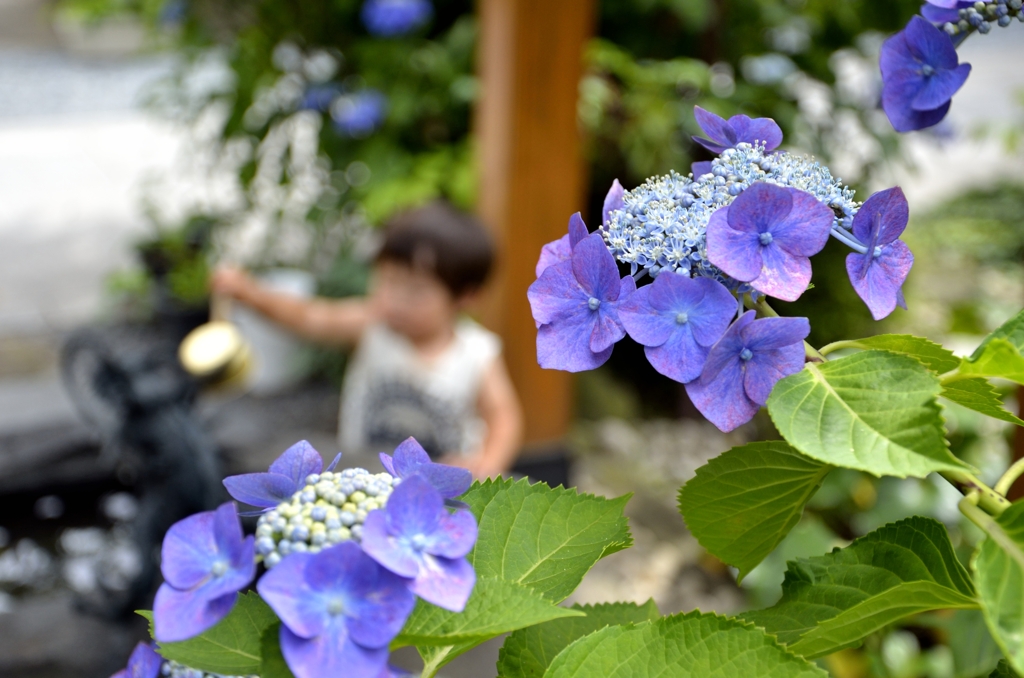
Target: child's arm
x=500, y=410
x=320, y=320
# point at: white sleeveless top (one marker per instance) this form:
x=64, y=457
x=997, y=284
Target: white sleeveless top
x=390, y=393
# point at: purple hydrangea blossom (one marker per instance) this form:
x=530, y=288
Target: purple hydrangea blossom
x=723, y=134
x=921, y=72
x=575, y=304
x=358, y=115
x=205, y=562
x=287, y=475
x=560, y=250
x=612, y=201
x=143, y=663
x=339, y=610
x=767, y=236
x=416, y=537
x=678, y=319
x=943, y=11
x=879, y=273
x=393, y=18
x=744, y=366
x=412, y=460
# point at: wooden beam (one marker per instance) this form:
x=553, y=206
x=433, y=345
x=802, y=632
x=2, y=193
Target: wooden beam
x=531, y=173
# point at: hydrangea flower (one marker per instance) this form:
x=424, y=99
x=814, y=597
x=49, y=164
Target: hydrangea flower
x=358, y=115
x=943, y=11
x=286, y=476
x=678, y=319
x=414, y=536
x=411, y=459
x=144, y=662
x=744, y=366
x=878, y=273
x=560, y=250
x=173, y=669
x=767, y=236
x=921, y=72
x=205, y=562
x=339, y=610
x=575, y=304
x=723, y=134
x=392, y=18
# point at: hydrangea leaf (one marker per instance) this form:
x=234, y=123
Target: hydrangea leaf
x=974, y=651
x=833, y=601
x=692, y=645
x=232, y=647
x=528, y=652
x=741, y=504
x=1003, y=670
x=544, y=538
x=996, y=357
x=979, y=395
x=873, y=411
x=928, y=353
x=272, y=664
x=496, y=606
x=998, y=568
x=1012, y=331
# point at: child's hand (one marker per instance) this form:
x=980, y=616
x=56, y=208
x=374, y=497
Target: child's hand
x=230, y=281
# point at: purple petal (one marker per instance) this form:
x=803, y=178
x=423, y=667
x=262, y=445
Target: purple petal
x=939, y=88
x=722, y=399
x=445, y=583
x=737, y=253
x=577, y=230
x=330, y=654
x=938, y=15
x=607, y=330
x=565, y=345
x=720, y=133
x=896, y=96
x=765, y=130
x=144, y=662
x=882, y=218
x=595, y=269
x=557, y=295
x=189, y=550
x=414, y=507
x=701, y=168
x=761, y=207
x=383, y=547
x=227, y=531
x=261, y=489
x=612, y=201
x=449, y=481
x=455, y=536
x=297, y=462
x=180, y=615
x=879, y=283
x=645, y=324
x=726, y=352
x=766, y=368
x=783, y=275
x=711, y=317
x=805, y=229
x=334, y=462
x=680, y=358
x=896, y=56
x=554, y=252
x=388, y=463
x=765, y=334
x=947, y=4
x=376, y=616
x=409, y=456
x=286, y=590
x=930, y=45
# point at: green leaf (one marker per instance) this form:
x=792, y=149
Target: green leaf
x=1012, y=331
x=495, y=607
x=273, y=664
x=741, y=504
x=831, y=602
x=996, y=357
x=1003, y=670
x=979, y=395
x=232, y=647
x=975, y=653
x=543, y=538
x=874, y=411
x=931, y=355
x=690, y=645
x=528, y=652
x=999, y=574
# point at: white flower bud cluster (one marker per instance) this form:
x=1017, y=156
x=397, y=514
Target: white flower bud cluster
x=662, y=223
x=175, y=670
x=330, y=509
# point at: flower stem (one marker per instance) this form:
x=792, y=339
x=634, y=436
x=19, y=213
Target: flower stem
x=1012, y=473
x=838, y=345
x=431, y=667
x=989, y=500
x=849, y=241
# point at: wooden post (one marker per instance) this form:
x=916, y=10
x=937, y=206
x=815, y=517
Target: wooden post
x=531, y=174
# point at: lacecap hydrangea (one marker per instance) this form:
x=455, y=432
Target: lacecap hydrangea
x=699, y=249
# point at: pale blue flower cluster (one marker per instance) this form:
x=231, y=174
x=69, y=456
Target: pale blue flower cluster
x=176, y=670
x=662, y=223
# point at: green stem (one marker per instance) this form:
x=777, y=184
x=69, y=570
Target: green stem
x=838, y=345
x=431, y=668
x=988, y=499
x=766, y=311
x=1012, y=473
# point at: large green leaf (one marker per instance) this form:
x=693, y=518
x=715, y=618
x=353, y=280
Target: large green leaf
x=1003, y=670
x=999, y=574
x=543, y=538
x=232, y=647
x=974, y=652
x=874, y=411
x=528, y=652
x=831, y=602
x=1012, y=331
x=495, y=607
x=691, y=645
x=979, y=395
x=741, y=504
x=272, y=664
x=930, y=354
x=996, y=357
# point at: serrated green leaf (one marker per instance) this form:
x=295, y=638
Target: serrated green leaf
x=1003, y=670
x=996, y=357
x=1012, y=331
x=998, y=568
x=690, y=645
x=528, y=652
x=232, y=647
x=931, y=355
x=979, y=395
x=495, y=607
x=831, y=602
x=874, y=411
x=544, y=538
x=742, y=503
x=273, y=664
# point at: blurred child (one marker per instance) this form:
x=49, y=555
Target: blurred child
x=420, y=367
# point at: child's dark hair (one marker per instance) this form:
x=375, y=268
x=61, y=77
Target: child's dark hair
x=447, y=242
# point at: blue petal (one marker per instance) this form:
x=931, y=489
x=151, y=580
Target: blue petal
x=287, y=591
x=595, y=269
x=554, y=252
x=882, y=217
x=297, y=462
x=445, y=582
x=386, y=549
x=577, y=230
x=330, y=654
x=557, y=295
x=450, y=481
x=680, y=358
x=930, y=45
x=765, y=334
x=144, y=662
x=766, y=368
x=189, y=550
x=409, y=456
x=261, y=489
x=612, y=201
x=722, y=398
x=565, y=345
x=180, y=615
x=939, y=88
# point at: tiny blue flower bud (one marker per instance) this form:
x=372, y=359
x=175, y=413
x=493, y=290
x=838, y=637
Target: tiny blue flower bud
x=594, y=303
x=1005, y=21
x=766, y=238
x=682, y=318
x=746, y=354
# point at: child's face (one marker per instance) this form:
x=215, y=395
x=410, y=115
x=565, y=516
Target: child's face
x=412, y=302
